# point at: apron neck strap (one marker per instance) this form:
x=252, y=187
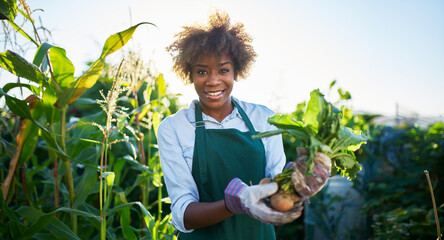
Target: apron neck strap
x=200, y=122
x=198, y=115
x=244, y=116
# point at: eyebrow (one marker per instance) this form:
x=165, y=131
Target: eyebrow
x=220, y=64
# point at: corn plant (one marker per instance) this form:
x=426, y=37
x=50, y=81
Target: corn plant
x=62, y=172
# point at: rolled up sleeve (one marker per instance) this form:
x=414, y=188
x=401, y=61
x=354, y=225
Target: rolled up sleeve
x=179, y=181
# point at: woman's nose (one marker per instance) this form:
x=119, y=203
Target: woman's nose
x=213, y=78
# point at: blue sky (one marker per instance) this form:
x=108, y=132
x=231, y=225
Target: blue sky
x=385, y=52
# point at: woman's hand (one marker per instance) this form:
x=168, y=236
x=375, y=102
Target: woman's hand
x=241, y=198
x=307, y=186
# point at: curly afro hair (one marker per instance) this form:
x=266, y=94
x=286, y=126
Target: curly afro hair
x=219, y=37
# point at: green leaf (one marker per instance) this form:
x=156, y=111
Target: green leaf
x=285, y=122
x=20, y=30
x=147, y=217
x=35, y=228
x=269, y=133
x=344, y=95
x=156, y=121
x=89, y=179
x=118, y=40
x=16, y=227
x=313, y=116
x=109, y=178
x=8, y=9
x=20, y=107
x=436, y=128
x=17, y=106
x=125, y=217
x=28, y=141
x=348, y=165
x=161, y=85
x=83, y=83
x=118, y=168
x=52, y=113
x=32, y=88
x=88, y=79
x=350, y=140
x=20, y=67
x=345, y=161
x=41, y=53
x=332, y=84
x=52, y=224
x=62, y=67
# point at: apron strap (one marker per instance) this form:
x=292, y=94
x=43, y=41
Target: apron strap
x=244, y=116
x=200, y=138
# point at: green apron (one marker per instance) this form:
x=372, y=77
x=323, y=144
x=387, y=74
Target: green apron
x=219, y=156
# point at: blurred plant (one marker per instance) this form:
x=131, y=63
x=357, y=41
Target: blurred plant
x=322, y=215
x=387, y=226
x=394, y=163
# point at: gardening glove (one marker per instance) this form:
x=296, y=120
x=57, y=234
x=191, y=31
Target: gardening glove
x=241, y=198
x=307, y=186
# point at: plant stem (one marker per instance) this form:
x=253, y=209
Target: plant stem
x=68, y=170
x=102, y=218
x=438, y=230
x=56, y=180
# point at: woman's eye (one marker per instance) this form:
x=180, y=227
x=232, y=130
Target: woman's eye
x=201, y=72
x=224, y=70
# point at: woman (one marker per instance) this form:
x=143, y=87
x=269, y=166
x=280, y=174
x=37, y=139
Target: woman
x=210, y=162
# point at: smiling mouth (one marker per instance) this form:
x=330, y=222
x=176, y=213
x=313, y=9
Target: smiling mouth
x=215, y=93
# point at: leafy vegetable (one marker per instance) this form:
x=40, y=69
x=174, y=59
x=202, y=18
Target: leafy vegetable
x=319, y=129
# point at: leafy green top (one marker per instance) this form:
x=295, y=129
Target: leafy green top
x=319, y=128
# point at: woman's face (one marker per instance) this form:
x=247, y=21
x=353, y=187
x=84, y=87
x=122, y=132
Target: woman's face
x=213, y=79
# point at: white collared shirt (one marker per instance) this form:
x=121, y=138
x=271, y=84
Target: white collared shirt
x=176, y=136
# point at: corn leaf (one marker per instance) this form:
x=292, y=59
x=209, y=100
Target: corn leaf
x=62, y=67
x=156, y=121
x=32, y=88
x=161, y=85
x=89, y=179
x=125, y=217
x=41, y=53
x=17, y=106
x=88, y=79
x=118, y=40
x=8, y=9
x=21, y=108
x=45, y=221
x=17, y=65
x=147, y=217
x=20, y=30
x=28, y=141
x=15, y=226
